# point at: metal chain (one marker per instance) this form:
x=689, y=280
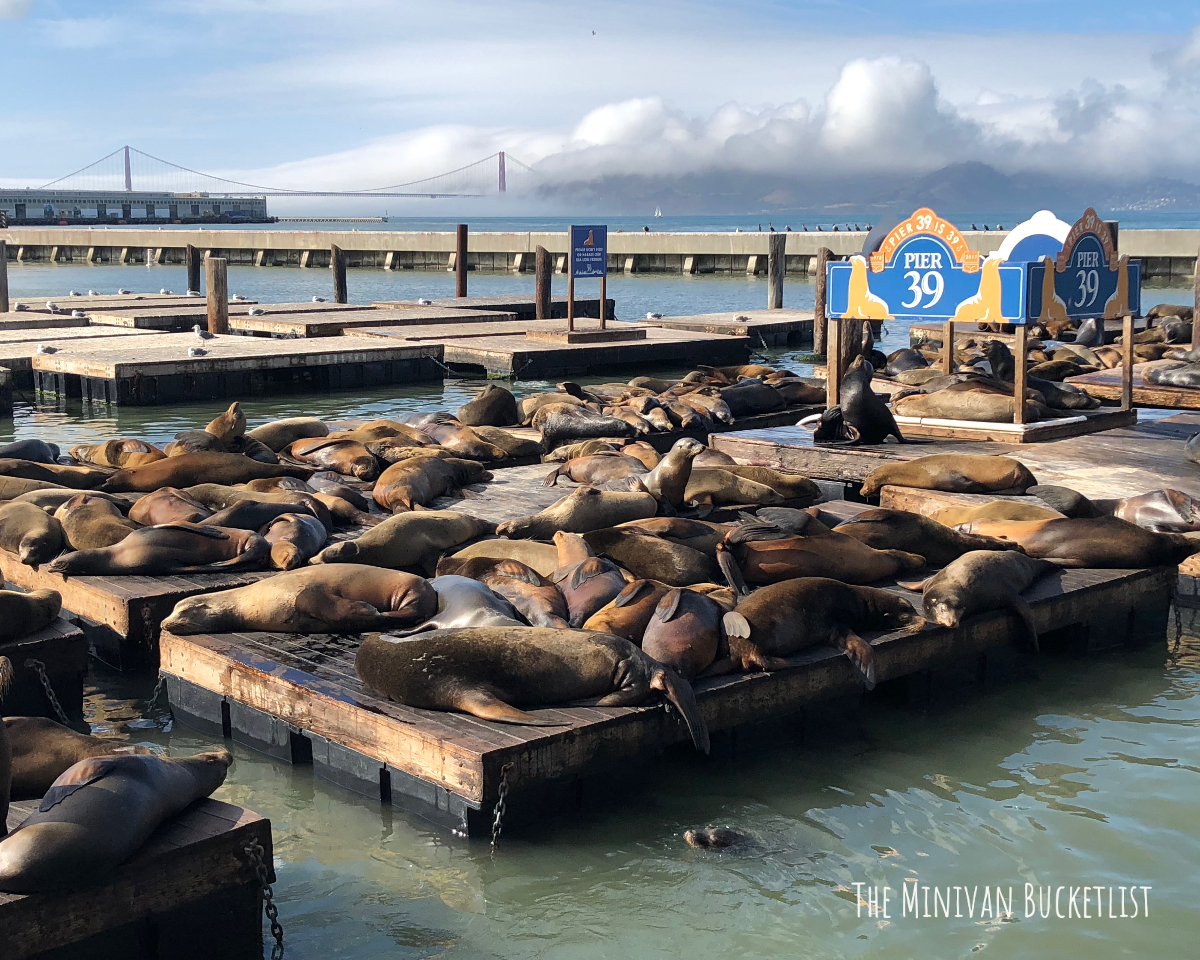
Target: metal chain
x=256, y=853
x=40, y=669
x=158, y=692
x=500, y=807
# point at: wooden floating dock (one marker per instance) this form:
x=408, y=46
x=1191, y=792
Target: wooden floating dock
x=1106, y=385
x=100, y=301
x=159, y=370
x=328, y=324
x=19, y=347
x=524, y=307
x=771, y=328
x=62, y=649
x=39, y=321
x=1083, y=422
x=298, y=699
x=1122, y=462
x=927, y=332
x=190, y=893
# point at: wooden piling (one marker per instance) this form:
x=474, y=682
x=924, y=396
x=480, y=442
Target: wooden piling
x=776, y=268
x=820, y=321
x=948, y=347
x=218, y=294
x=1018, y=373
x=1127, y=361
x=3, y=277
x=460, y=261
x=1114, y=229
x=603, y=300
x=544, y=267
x=191, y=257
x=337, y=261
x=1196, y=305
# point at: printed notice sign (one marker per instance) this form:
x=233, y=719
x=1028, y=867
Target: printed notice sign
x=589, y=251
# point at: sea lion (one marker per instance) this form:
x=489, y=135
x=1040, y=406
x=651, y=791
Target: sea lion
x=117, y=453
x=218, y=496
x=39, y=451
x=1175, y=375
x=700, y=535
x=983, y=580
x=641, y=450
x=886, y=529
x=463, y=602
x=1169, y=310
x=751, y=397
x=902, y=360
x=347, y=457
x=586, y=584
x=42, y=750
x=408, y=540
x=91, y=522
x=318, y=483
x=167, y=549
x=531, y=405
x=24, y=613
x=191, y=469
x=670, y=479
x=280, y=433
x=559, y=422
x=98, y=813
x=29, y=532
x=338, y=598
x=256, y=514
x=396, y=449
x=798, y=392
x=461, y=440
x=790, y=486
x=708, y=402
x=685, y=633
x=589, y=448
x=422, y=480
x=1107, y=542
x=13, y=488
x=276, y=484
x=1068, y=502
x=1163, y=511
x=596, y=470
x=78, y=478
x=628, y=613
x=534, y=597
x=713, y=838
x=953, y=473
x=379, y=429
x=294, y=538
x=716, y=485
x=194, y=441
x=493, y=407
x=512, y=445
x=996, y=510
x=345, y=514
x=254, y=449
x=230, y=426
x=542, y=557
x=489, y=673
x=583, y=510
x=653, y=558
x=780, y=620
x=862, y=408
x=709, y=457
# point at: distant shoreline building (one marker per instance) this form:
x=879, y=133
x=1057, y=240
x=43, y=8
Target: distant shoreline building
x=41, y=207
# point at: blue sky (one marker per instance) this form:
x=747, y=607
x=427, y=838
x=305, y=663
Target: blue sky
x=289, y=93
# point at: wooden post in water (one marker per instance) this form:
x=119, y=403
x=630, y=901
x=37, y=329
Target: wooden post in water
x=1114, y=228
x=191, y=257
x=1127, y=361
x=543, y=268
x=1018, y=375
x=833, y=370
x=820, y=321
x=948, y=347
x=460, y=261
x=850, y=341
x=603, y=299
x=337, y=262
x=3, y=277
x=776, y=268
x=218, y=295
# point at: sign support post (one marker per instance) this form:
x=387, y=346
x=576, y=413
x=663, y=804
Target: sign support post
x=571, y=303
x=1127, y=362
x=948, y=347
x=833, y=362
x=1019, y=375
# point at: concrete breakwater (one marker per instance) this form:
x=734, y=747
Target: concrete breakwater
x=1164, y=254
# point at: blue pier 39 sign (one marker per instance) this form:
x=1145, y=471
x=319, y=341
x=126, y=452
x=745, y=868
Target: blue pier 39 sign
x=589, y=252
x=924, y=270
x=1086, y=280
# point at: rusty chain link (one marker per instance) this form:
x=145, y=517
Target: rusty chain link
x=500, y=807
x=157, y=694
x=40, y=669
x=256, y=853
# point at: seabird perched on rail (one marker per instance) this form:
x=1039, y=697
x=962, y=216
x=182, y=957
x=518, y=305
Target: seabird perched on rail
x=203, y=334
x=257, y=312
x=194, y=293
x=78, y=314
x=73, y=293
x=52, y=306
x=92, y=293
x=237, y=296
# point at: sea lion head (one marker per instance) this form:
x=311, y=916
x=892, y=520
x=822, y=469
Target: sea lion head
x=946, y=611
x=893, y=610
x=345, y=551
x=194, y=615
x=688, y=448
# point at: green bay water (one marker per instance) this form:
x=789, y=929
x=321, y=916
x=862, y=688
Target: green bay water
x=1086, y=774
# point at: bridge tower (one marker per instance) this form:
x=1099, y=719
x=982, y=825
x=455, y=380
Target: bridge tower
x=128, y=172
x=502, y=184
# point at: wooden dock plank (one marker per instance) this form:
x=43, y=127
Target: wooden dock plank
x=520, y=304
x=925, y=332
x=769, y=327
x=1106, y=385
x=19, y=347
x=323, y=324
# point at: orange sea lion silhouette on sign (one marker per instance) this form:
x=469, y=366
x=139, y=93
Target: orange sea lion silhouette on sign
x=984, y=307
x=861, y=303
x=1118, y=303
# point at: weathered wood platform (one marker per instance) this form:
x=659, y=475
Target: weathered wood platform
x=1084, y=422
x=327, y=324
x=770, y=328
x=929, y=502
x=39, y=321
x=19, y=347
x=1106, y=385
x=298, y=699
x=524, y=307
x=159, y=370
x=189, y=894
x=933, y=332
x=1122, y=462
x=62, y=650
x=177, y=317
x=100, y=301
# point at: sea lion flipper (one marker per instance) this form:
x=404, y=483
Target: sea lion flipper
x=75, y=778
x=668, y=606
x=861, y=654
x=485, y=706
x=630, y=592
x=736, y=625
x=683, y=698
x=1020, y=606
x=917, y=586
x=729, y=567
x=212, y=532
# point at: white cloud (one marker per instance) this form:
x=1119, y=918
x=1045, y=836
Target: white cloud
x=13, y=9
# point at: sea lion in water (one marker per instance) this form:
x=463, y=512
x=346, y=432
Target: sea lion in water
x=535, y=598
x=670, y=477
x=542, y=557
x=780, y=620
x=583, y=510
x=43, y=749
x=886, y=529
x=628, y=613
x=91, y=522
x=117, y=453
x=862, y=408
x=192, y=469
x=39, y=451
x=490, y=673
x=653, y=558
x=983, y=580
x=713, y=838
x=463, y=602
x=294, y=538
x=98, y=813
x=493, y=407
x=29, y=532
x=280, y=433
x=408, y=540
x=996, y=510
x=422, y=480
x=24, y=613
x=685, y=633
x=348, y=457
x=596, y=470
x=586, y=582
x=953, y=473
x=166, y=549
x=78, y=478
x=559, y=422
x=1090, y=542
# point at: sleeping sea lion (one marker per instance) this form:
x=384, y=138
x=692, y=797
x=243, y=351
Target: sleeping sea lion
x=218, y=496
x=534, y=597
x=461, y=440
x=1068, y=502
x=39, y=451
x=321, y=483
x=886, y=529
x=1163, y=511
x=700, y=535
x=256, y=514
x=490, y=673
x=191, y=469
x=628, y=613
x=78, y=478
x=589, y=448
x=1090, y=542
x=596, y=470
x=542, y=557
x=493, y=407
x=716, y=485
x=529, y=406
x=583, y=510
x=422, y=480
x=29, y=532
x=117, y=453
x=953, y=473
x=280, y=433
x=91, y=522
x=586, y=582
x=751, y=397
x=640, y=450
x=510, y=443
x=169, y=548
x=13, y=488
x=194, y=441
x=52, y=498
x=685, y=633
x=560, y=422
x=348, y=457
x=294, y=539
x=98, y=813
x=24, y=613
x=780, y=620
x=996, y=510
x=230, y=426
x=408, y=540
x=653, y=558
x=463, y=602
x=42, y=750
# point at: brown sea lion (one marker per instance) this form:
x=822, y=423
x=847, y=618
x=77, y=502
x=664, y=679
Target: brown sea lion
x=953, y=473
x=641, y=450
x=596, y=470
x=492, y=407
x=583, y=510
x=256, y=514
x=531, y=405
x=13, y=488
x=29, y=532
x=886, y=529
x=194, y=441
x=98, y=813
x=560, y=422
x=780, y=620
x=962, y=402
x=276, y=484
x=408, y=540
x=279, y=433
x=1169, y=310
x=713, y=458
x=52, y=498
x=589, y=448
x=996, y=510
x=30, y=449
x=191, y=469
x=347, y=457
x=490, y=673
x=462, y=441
x=230, y=426
x=42, y=750
x=713, y=838
x=254, y=449
x=24, y=613
x=542, y=557
x=168, y=549
x=78, y=478
x=422, y=480
x=322, y=482
x=685, y=633
x=751, y=397
x=716, y=485
x=791, y=486
x=512, y=445
x=709, y=403
x=1090, y=542
x=629, y=612
x=218, y=496
x=396, y=449
x=700, y=535
x=117, y=453
x=294, y=539
x=534, y=597
x=653, y=558
x=670, y=479
x=1163, y=511
x=91, y=522
x=587, y=585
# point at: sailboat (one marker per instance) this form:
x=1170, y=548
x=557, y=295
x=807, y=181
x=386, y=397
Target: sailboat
x=658, y=211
